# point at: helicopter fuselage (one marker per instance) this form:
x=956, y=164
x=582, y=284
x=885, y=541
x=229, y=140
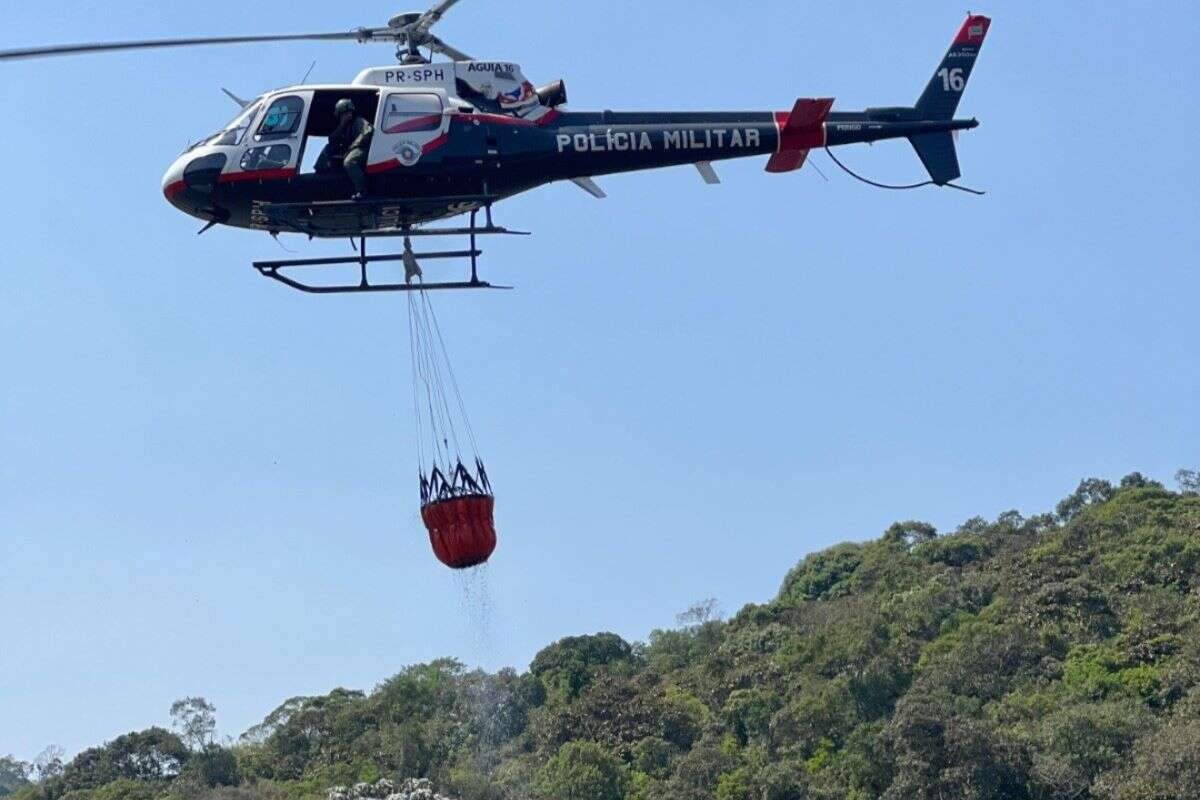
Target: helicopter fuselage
x=449, y=135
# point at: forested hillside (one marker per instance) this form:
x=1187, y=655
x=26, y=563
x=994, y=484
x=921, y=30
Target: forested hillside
x=1050, y=657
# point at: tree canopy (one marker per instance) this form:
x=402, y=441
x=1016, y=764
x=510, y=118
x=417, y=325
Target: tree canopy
x=1056, y=656
x=13, y=775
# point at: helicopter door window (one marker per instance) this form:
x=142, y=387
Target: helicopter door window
x=411, y=113
x=275, y=156
x=282, y=119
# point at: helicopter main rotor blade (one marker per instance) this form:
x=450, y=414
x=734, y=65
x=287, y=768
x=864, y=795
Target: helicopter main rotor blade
x=438, y=46
x=432, y=16
x=360, y=35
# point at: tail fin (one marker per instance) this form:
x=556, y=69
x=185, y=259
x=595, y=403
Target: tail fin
x=941, y=98
x=945, y=90
x=938, y=154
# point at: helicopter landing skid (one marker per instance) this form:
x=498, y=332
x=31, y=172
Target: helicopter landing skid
x=414, y=281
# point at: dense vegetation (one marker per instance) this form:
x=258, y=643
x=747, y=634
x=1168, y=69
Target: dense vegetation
x=1052, y=657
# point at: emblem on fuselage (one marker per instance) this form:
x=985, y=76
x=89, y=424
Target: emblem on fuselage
x=408, y=153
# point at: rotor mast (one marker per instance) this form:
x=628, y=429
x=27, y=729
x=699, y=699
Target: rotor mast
x=412, y=33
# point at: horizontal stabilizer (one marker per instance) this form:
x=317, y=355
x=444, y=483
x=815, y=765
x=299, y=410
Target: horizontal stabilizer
x=799, y=132
x=589, y=186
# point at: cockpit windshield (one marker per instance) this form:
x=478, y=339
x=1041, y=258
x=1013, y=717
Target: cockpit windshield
x=235, y=131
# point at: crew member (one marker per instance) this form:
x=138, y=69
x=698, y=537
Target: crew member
x=348, y=145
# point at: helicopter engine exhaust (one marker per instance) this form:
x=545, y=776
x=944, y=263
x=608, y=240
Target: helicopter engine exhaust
x=553, y=95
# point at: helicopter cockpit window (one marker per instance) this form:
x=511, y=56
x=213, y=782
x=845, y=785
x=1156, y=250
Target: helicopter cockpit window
x=407, y=113
x=236, y=130
x=282, y=119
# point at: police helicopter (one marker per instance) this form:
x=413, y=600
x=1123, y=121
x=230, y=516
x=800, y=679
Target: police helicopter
x=453, y=137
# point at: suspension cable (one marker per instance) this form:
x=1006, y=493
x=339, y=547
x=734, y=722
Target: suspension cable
x=426, y=374
x=898, y=188
x=462, y=406
x=412, y=349
x=435, y=379
x=449, y=431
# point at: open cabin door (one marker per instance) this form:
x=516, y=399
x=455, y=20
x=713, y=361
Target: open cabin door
x=274, y=148
x=412, y=126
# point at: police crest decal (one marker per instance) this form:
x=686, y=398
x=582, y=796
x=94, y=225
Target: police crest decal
x=407, y=152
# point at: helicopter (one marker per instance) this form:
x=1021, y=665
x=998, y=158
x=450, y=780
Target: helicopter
x=456, y=136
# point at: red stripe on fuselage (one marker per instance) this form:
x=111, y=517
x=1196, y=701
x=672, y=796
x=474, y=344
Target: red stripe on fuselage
x=257, y=175
x=416, y=124
x=435, y=144
x=429, y=147
x=492, y=119
x=170, y=190
x=503, y=119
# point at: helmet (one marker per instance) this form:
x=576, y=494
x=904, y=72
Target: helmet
x=344, y=106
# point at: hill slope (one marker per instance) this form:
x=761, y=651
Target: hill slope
x=1053, y=657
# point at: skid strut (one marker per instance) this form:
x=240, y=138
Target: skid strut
x=411, y=260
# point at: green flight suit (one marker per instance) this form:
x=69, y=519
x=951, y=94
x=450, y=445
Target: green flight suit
x=354, y=140
x=356, y=156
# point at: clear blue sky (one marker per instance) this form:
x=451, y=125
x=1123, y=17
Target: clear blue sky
x=206, y=481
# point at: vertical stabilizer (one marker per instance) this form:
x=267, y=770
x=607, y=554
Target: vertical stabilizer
x=945, y=90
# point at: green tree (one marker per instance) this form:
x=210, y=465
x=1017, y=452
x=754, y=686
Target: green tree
x=13, y=774
x=580, y=771
x=700, y=613
x=150, y=756
x=942, y=753
x=697, y=775
x=49, y=763
x=279, y=717
x=195, y=720
x=1075, y=745
x=1136, y=480
x=1090, y=492
x=652, y=756
x=1189, y=481
x=567, y=666
x=1165, y=765
x=213, y=766
x=911, y=533
x=822, y=575
x=124, y=789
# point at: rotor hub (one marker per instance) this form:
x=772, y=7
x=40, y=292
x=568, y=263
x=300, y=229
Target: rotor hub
x=404, y=20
